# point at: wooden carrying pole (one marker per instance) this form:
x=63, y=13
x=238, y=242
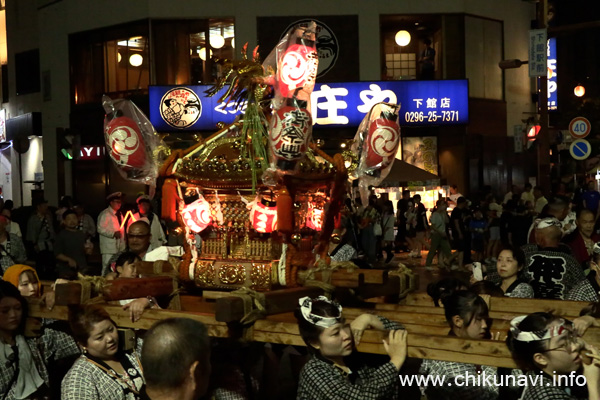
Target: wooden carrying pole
x=427, y=339
x=76, y=292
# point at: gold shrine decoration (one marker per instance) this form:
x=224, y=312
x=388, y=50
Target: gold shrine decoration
x=228, y=275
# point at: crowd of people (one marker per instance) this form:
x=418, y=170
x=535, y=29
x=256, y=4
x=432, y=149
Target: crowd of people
x=529, y=246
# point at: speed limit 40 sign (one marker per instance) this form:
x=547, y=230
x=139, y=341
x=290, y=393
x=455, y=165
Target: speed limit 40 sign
x=580, y=127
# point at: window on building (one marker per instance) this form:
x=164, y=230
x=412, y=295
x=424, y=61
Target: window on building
x=187, y=58
x=122, y=61
x=403, y=40
x=112, y=61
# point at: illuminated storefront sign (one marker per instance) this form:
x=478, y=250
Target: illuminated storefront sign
x=444, y=102
x=552, y=82
x=92, y=152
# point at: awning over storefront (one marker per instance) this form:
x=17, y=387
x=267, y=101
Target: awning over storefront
x=404, y=174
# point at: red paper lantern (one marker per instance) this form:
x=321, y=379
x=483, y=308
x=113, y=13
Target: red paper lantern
x=298, y=68
x=263, y=216
x=382, y=141
x=196, y=215
x=124, y=139
x=289, y=135
x=314, y=217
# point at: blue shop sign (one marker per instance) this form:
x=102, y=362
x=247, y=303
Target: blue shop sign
x=552, y=82
x=423, y=103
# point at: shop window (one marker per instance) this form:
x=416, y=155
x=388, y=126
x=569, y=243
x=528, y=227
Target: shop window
x=403, y=40
x=187, y=58
x=116, y=60
x=112, y=61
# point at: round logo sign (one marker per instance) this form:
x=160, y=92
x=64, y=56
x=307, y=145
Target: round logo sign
x=180, y=107
x=580, y=127
x=327, y=45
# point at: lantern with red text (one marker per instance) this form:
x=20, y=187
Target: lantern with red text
x=291, y=129
x=314, y=217
x=263, y=216
x=196, y=215
x=124, y=139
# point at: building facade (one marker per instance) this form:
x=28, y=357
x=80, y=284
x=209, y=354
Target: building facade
x=85, y=48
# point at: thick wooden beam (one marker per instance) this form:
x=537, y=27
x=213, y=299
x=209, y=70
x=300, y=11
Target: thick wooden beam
x=148, y=268
x=118, y=289
x=502, y=304
x=421, y=343
x=231, y=309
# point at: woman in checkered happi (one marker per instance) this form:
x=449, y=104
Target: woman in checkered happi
x=334, y=371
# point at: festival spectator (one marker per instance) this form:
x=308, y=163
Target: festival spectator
x=69, y=248
x=157, y=237
x=540, y=200
x=186, y=341
x=12, y=227
x=65, y=203
x=546, y=348
x=552, y=271
x=583, y=239
x=24, y=366
x=558, y=208
x=514, y=191
x=510, y=267
x=454, y=196
x=104, y=371
x=493, y=226
x=388, y=221
x=12, y=250
x=410, y=230
x=467, y=316
x=591, y=198
x=26, y=279
x=110, y=229
x=527, y=197
x=427, y=61
x=332, y=342
x=518, y=227
x=401, y=209
x=421, y=227
x=589, y=289
x=126, y=268
x=369, y=217
x=86, y=223
x=340, y=249
x=478, y=227
x=439, y=238
x=40, y=234
x=459, y=232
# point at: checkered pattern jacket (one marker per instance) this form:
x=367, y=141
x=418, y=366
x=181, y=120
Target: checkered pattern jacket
x=85, y=381
x=449, y=371
x=583, y=291
x=321, y=380
x=51, y=345
x=544, y=389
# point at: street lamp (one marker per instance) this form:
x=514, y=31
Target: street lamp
x=509, y=64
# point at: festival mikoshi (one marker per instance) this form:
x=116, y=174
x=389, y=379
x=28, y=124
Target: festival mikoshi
x=258, y=201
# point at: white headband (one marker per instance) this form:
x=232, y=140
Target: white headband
x=325, y=322
x=548, y=222
x=535, y=336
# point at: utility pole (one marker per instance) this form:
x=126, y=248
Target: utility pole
x=543, y=137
